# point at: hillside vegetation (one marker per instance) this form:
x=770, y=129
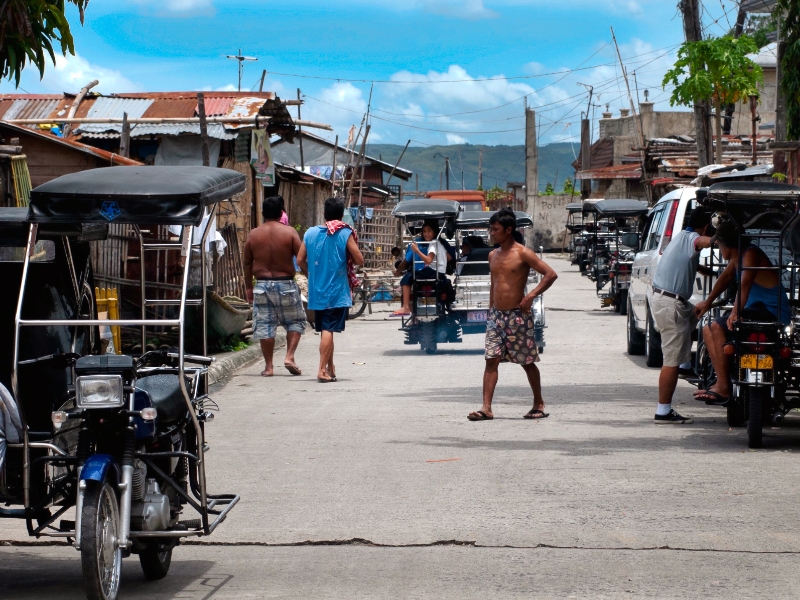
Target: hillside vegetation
x=501, y=164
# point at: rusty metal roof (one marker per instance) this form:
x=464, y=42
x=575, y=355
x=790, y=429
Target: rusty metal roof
x=169, y=107
x=216, y=107
x=615, y=172
x=112, y=158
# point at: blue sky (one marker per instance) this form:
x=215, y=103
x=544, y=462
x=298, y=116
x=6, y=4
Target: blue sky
x=445, y=59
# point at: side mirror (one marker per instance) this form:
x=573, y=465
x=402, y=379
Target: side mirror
x=631, y=240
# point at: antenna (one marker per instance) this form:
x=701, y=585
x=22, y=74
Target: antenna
x=239, y=57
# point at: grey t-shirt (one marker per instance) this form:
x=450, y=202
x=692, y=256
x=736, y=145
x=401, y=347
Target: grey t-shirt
x=678, y=265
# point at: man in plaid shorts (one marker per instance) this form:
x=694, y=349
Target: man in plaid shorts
x=269, y=257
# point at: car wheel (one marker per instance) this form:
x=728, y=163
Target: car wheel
x=652, y=344
x=635, y=338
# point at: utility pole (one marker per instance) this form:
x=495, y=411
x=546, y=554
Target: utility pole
x=299, y=133
x=586, y=158
x=531, y=162
x=446, y=170
x=693, y=33
x=480, y=170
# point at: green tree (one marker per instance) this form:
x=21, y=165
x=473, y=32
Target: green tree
x=568, y=186
x=28, y=29
x=790, y=65
x=548, y=190
x=716, y=69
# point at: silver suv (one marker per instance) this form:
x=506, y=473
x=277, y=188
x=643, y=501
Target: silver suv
x=666, y=219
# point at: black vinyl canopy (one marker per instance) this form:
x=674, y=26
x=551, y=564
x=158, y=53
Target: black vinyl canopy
x=473, y=219
x=426, y=208
x=141, y=195
x=575, y=207
x=616, y=208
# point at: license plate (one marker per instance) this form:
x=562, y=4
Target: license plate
x=475, y=316
x=755, y=361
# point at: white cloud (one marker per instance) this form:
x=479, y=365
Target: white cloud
x=71, y=73
x=177, y=7
x=452, y=138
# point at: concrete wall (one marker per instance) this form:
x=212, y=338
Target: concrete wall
x=549, y=220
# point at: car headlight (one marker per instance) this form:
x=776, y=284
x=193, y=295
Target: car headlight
x=99, y=391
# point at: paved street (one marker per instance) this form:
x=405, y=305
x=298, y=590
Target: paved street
x=377, y=486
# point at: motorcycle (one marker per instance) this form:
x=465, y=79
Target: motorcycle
x=109, y=451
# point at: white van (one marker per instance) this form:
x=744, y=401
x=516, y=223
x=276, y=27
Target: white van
x=665, y=219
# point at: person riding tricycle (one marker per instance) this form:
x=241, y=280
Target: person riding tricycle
x=106, y=451
x=752, y=349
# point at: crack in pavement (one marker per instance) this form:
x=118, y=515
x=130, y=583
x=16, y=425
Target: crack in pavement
x=462, y=543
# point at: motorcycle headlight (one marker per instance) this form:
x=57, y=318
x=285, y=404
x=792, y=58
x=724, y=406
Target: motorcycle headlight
x=99, y=391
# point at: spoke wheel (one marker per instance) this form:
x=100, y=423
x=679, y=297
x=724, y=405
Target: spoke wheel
x=101, y=558
x=359, y=304
x=155, y=561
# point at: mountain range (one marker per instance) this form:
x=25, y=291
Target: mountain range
x=501, y=164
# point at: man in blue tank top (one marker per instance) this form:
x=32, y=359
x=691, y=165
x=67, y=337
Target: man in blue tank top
x=324, y=257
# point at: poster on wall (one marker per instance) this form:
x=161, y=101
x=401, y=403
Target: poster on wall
x=261, y=157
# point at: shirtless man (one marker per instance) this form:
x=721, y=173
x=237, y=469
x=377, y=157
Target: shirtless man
x=509, y=326
x=269, y=257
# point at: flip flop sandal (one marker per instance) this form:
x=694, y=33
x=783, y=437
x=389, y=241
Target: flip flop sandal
x=712, y=398
x=479, y=415
x=294, y=370
x=325, y=380
x=536, y=413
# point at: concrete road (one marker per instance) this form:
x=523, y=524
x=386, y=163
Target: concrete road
x=377, y=486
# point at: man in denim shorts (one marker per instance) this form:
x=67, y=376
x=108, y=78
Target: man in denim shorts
x=269, y=255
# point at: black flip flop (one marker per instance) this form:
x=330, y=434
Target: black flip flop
x=479, y=415
x=325, y=380
x=293, y=369
x=715, y=400
x=536, y=413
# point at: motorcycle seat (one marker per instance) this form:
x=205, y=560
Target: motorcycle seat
x=166, y=396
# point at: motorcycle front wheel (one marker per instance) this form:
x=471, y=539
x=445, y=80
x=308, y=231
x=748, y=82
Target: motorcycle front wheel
x=101, y=557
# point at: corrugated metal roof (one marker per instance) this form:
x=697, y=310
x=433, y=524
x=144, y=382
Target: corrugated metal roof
x=31, y=109
x=111, y=157
x=216, y=107
x=169, y=107
x=615, y=172
x=111, y=107
x=215, y=130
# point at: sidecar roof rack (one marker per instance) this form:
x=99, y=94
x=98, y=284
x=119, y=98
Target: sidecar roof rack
x=575, y=207
x=137, y=195
x=752, y=190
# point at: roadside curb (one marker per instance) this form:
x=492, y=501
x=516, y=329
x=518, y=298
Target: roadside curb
x=227, y=363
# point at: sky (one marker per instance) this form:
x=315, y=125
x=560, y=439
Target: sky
x=438, y=71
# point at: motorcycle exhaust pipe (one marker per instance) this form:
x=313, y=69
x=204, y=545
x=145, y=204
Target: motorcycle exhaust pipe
x=777, y=418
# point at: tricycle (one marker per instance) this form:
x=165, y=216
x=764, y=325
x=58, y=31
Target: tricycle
x=446, y=307
x=762, y=350
x=105, y=451
x=610, y=258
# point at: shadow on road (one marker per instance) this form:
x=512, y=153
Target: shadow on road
x=49, y=572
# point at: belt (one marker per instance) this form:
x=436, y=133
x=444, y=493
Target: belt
x=669, y=294
x=281, y=278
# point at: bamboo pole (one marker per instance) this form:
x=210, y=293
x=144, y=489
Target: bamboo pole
x=162, y=121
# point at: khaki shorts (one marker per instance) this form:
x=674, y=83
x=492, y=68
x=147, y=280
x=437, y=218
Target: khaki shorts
x=675, y=321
